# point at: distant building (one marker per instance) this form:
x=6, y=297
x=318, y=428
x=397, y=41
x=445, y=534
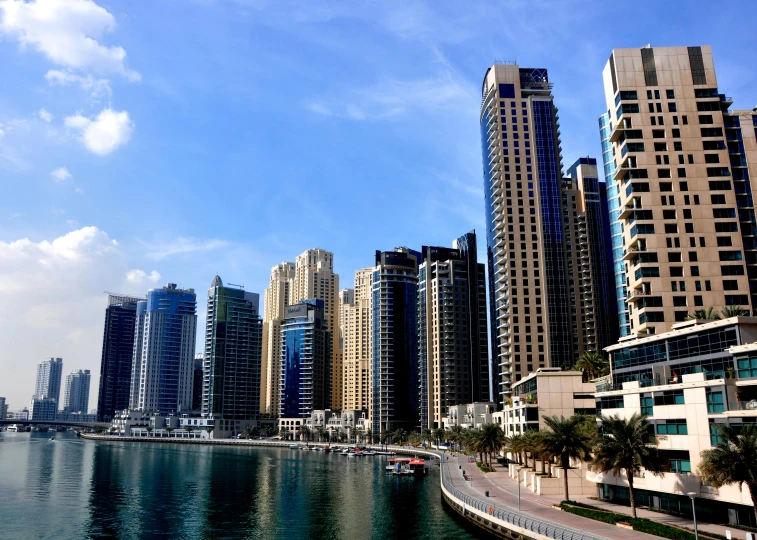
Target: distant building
x=164, y=350
x=43, y=409
x=75, y=417
x=233, y=335
x=276, y=301
x=76, y=392
x=356, y=331
x=305, y=353
x=197, y=382
x=49, y=373
x=469, y=415
x=117, y=354
x=395, y=341
x=453, y=345
x=3, y=408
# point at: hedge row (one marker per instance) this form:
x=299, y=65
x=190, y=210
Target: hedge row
x=638, y=524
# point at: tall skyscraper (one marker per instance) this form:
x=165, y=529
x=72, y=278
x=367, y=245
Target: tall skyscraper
x=49, y=373
x=684, y=203
x=453, y=352
x=117, y=355
x=275, y=303
x=528, y=287
x=305, y=356
x=76, y=392
x=3, y=408
x=197, y=379
x=314, y=277
x=233, y=352
x=395, y=341
x=588, y=247
x=164, y=350
x=357, y=344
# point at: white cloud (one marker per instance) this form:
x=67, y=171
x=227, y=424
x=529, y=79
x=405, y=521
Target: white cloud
x=67, y=32
x=53, y=304
x=98, y=88
x=44, y=115
x=109, y=130
x=140, y=276
x=61, y=174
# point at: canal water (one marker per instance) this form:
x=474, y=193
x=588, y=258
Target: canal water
x=73, y=488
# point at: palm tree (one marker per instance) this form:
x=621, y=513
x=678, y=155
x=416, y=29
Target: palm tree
x=456, y=434
x=566, y=439
x=531, y=441
x=492, y=439
x=515, y=447
x=439, y=435
x=733, y=460
x=628, y=445
x=304, y=433
x=321, y=432
x=427, y=436
x=592, y=365
x=399, y=436
x=734, y=311
x=704, y=314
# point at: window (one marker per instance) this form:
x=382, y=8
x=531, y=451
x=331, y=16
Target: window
x=671, y=228
x=677, y=271
x=671, y=397
x=717, y=199
x=674, y=257
x=736, y=300
x=679, y=301
x=747, y=367
x=712, y=132
x=681, y=172
x=609, y=402
x=689, y=227
x=726, y=226
x=705, y=119
x=730, y=285
x=724, y=213
x=720, y=185
x=679, y=460
x=658, y=133
x=676, y=133
x=711, y=158
x=732, y=270
x=673, y=427
x=713, y=145
x=668, y=214
x=671, y=107
x=714, y=172
x=731, y=256
x=647, y=406
x=698, y=301
x=660, y=147
x=678, y=146
x=670, y=94
x=663, y=173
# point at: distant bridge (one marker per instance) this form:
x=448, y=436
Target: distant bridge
x=92, y=425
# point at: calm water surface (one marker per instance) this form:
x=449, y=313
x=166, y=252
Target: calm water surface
x=74, y=488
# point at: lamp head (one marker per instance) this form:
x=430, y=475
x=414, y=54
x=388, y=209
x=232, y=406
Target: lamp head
x=691, y=494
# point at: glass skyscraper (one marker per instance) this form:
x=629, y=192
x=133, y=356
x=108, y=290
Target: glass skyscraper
x=232, y=359
x=305, y=360
x=395, y=341
x=76, y=392
x=164, y=350
x=117, y=353
x=49, y=374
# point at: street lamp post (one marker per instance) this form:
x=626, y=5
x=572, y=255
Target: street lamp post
x=694, y=511
x=518, y=469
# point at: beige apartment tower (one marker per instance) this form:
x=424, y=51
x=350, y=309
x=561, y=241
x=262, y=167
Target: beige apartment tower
x=314, y=277
x=276, y=299
x=356, y=330
x=682, y=217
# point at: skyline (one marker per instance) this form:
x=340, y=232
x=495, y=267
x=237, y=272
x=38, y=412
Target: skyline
x=84, y=212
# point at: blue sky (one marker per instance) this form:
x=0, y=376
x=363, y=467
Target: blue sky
x=147, y=142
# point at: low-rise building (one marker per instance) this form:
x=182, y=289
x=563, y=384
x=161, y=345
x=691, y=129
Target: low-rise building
x=547, y=392
x=44, y=409
x=76, y=417
x=685, y=381
x=469, y=415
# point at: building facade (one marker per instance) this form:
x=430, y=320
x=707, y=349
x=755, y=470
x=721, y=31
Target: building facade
x=314, y=277
x=687, y=381
x=305, y=355
x=164, y=350
x=3, y=408
x=525, y=237
x=275, y=302
x=232, y=359
x=453, y=358
x=589, y=256
x=678, y=191
x=49, y=375
x=43, y=409
x=395, y=341
x=469, y=415
x=197, y=385
x=357, y=344
x=117, y=355
x=76, y=392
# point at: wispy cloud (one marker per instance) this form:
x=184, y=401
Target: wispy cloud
x=61, y=174
x=182, y=246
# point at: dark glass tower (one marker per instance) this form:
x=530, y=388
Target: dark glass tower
x=233, y=355
x=395, y=341
x=116, y=360
x=453, y=355
x=305, y=353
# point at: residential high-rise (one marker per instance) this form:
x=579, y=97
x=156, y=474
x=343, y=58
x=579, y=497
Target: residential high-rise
x=276, y=301
x=305, y=355
x=3, y=408
x=44, y=409
x=395, y=341
x=682, y=199
x=314, y=277
x=357, y=344
x=49, y=373
x=164, y=350
x=528, y=287
x=197, y=378
x=588, y=248
x=117, y=355
x=233, y=349
x=76, y=392
x=453, y=352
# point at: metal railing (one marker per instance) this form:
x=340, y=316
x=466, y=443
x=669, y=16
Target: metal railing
x=518, y=519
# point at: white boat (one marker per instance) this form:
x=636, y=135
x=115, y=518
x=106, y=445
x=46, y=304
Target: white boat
x=295, y=447
x=12, y=428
